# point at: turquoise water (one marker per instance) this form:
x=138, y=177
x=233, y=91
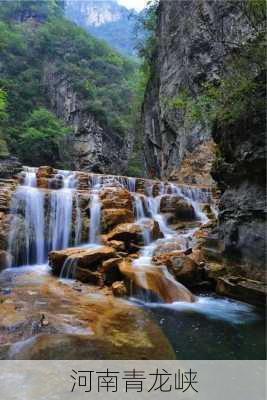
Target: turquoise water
x=212, y=328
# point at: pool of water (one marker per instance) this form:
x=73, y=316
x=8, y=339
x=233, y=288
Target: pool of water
x=212, y=328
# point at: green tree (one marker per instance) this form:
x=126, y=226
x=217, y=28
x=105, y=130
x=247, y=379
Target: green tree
x=41, y=136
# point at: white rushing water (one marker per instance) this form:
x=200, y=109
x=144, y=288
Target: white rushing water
x=148, y=206
x=95, y=211
x=48, y=217
x=42, y=220
x=26, y=237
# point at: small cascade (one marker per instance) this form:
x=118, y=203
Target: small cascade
x=95, y=211
x=143, y=272
x=153, y=207
x=69, y=267
x=128, y=183
x=26, y=237
x=61, y=207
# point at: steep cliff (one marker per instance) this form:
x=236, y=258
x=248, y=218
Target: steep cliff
x=202, y=42
x=190, y=50
x=240, y=171
x=90, y=147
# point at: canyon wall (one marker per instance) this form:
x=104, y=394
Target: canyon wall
x=194, y=42
x=90, y=147
x=190, y=51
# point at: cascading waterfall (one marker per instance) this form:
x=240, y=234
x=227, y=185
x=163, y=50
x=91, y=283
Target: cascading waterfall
x=194, y=196
x=95, y=211
x=26, y=238
x=48, y=217
x=144, y=262
x=78, y=225
x=61, y=210
x=42, y=220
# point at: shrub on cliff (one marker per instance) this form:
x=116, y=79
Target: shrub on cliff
x=34, y=35
x=41, y=136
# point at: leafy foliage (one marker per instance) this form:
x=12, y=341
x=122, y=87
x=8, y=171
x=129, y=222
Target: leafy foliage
x=146, y=37
x=100, y=76
x=3, y=145
x=236, y=95
x=41, y=136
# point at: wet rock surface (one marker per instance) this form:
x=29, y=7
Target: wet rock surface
x=42, y=318
x=87, y=258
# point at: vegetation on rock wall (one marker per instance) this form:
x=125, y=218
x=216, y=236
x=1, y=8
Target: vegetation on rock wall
x=235, y=95
x=34, y=34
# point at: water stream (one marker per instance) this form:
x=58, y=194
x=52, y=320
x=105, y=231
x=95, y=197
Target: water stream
x=43, y=220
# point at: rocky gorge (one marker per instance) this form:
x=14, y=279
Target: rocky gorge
x=195, y=43
x=85, y=238
x=166, y=264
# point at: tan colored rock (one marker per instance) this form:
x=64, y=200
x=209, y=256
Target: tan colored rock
x=166, y=258
x=158, y=280
x=115, y=197
x=86, y=276
x=126, y=233
x=169, y=247
x=117, y=245
x=152, y=227
x=111, y=217
x=213, y=270
x=133, y=233
x=119, y=289
x=42, y=183
x=88, y=258
x=177, y=206
x=45, y=172
x=182, y=267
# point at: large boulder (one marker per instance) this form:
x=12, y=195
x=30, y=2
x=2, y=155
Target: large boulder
x=157, y=280
x=182, y=267
x=83, y=257
x=185, y=270
x=126, y=233
x=134, y=232
x=111, y=217
x=178, y=207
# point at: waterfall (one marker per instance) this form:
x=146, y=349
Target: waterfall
x=153, y=207
x=194, y=196
x=26, y=237
x=143, y=265
x=78, y=220
x=69, y=268
x=42, y=219
x=61, y=207
x=95, y=211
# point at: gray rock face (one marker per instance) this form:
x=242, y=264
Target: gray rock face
x=9, y=167
x=191, y=49
x=90, y=147
x=194, y=41
x=240, y=172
